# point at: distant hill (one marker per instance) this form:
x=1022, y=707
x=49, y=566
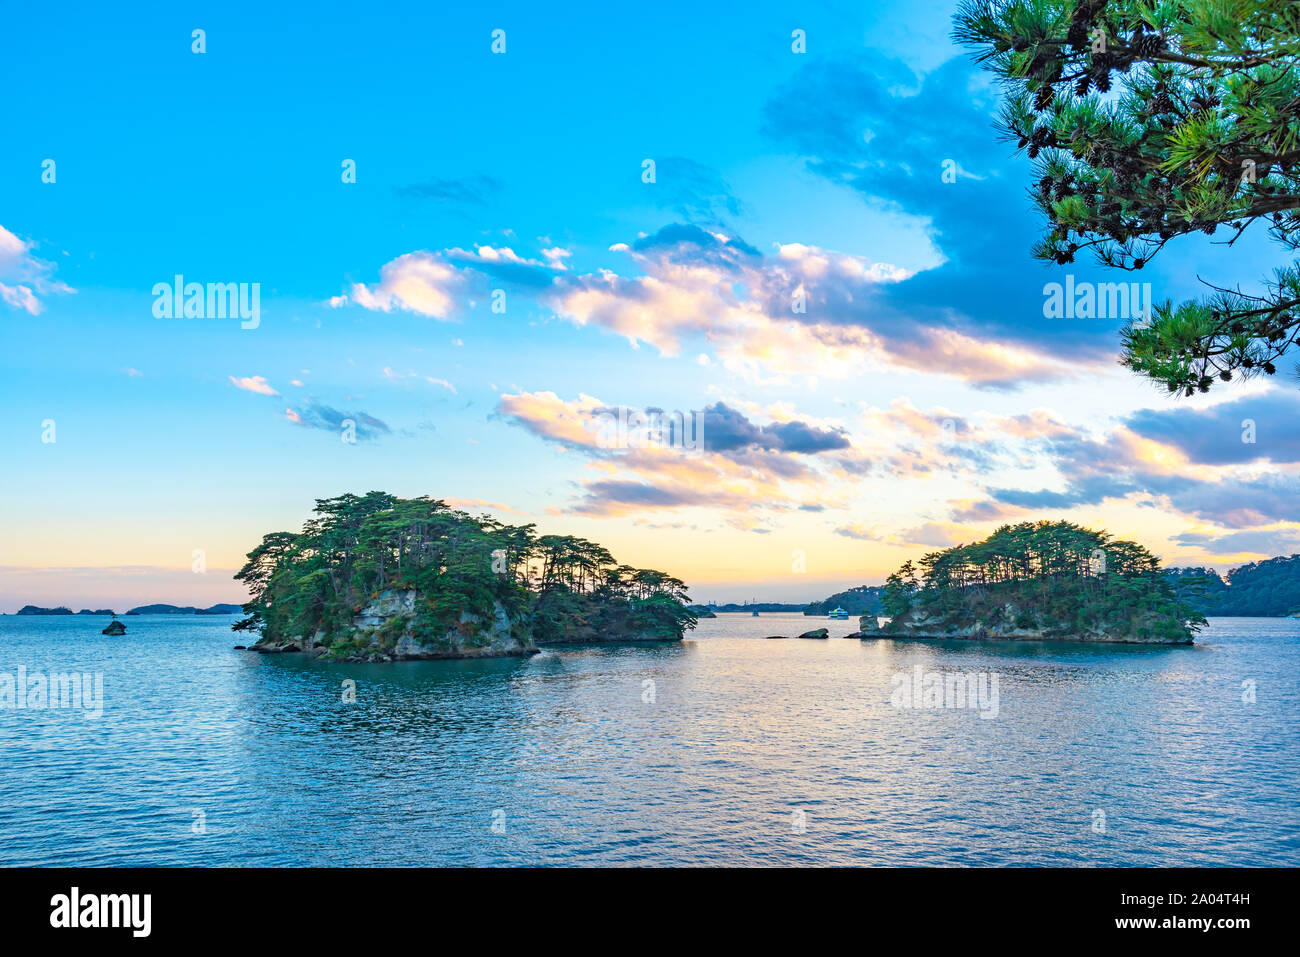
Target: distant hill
x=218, y=609
x=769, y=606
x=860, y=600
x=1267, y=589
x=221, y=609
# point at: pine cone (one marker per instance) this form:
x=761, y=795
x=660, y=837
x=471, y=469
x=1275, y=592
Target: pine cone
x=1149, y=44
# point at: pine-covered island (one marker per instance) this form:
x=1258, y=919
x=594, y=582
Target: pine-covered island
x=375, y=577
x=1043, y=581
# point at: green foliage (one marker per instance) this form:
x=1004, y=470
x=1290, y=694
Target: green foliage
x=900, y=589
x=1150, y=120
x=1056, y=577
x=357, y=546
x=1265, y=589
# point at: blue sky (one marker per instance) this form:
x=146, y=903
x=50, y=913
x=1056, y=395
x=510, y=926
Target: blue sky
x=920, y=399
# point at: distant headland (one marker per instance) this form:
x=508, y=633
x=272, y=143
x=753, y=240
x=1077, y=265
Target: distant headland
x=379, y=578
x=859, y=600
x=219, y=609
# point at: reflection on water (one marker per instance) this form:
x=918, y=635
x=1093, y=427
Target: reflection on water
x=702, y=752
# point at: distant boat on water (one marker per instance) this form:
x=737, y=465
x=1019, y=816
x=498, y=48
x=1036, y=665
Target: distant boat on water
x=839, y=614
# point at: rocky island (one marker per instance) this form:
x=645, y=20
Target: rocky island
x=379, y=578
x=1043, y=581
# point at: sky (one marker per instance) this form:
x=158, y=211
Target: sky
x=466, y=260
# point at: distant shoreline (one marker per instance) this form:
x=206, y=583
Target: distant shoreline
x=222, y=608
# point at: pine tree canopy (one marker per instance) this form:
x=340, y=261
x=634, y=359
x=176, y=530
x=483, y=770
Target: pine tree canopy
x=1148, y=121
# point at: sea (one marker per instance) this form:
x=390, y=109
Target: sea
x=726, y=749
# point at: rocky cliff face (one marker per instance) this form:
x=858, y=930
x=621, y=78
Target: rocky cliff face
x=1010, y=623
x=391, y=628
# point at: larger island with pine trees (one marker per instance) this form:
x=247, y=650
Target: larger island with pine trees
x=379, y=578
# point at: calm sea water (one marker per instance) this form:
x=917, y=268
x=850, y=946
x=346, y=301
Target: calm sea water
x=725, y=749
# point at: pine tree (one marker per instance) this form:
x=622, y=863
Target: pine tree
x=1149, y=121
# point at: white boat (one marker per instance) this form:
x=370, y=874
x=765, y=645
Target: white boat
x=838, y=614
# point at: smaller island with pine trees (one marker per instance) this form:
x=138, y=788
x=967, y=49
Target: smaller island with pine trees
x=1039, y=581
x=375, y=577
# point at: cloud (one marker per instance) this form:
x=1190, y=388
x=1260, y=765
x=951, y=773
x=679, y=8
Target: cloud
x=719, y=427
x=798, y=308
x=860, y=532
x=1282, y=541
x=441, y=285
x=802, y=307
x=870, y=124
x=23, y=277
x=471, y=190
x=1122, y=464
x=985, y=511
x=932, y=533
x=315, y=415
x=465, y=504
x=1245, y=429
x=569, y=423
x=1084, y=467
x=416, y=282
x=692, y=190
x=725, y=429
x=393, y=376
x=255, y=383
x=610, y=496
x=721, y=458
